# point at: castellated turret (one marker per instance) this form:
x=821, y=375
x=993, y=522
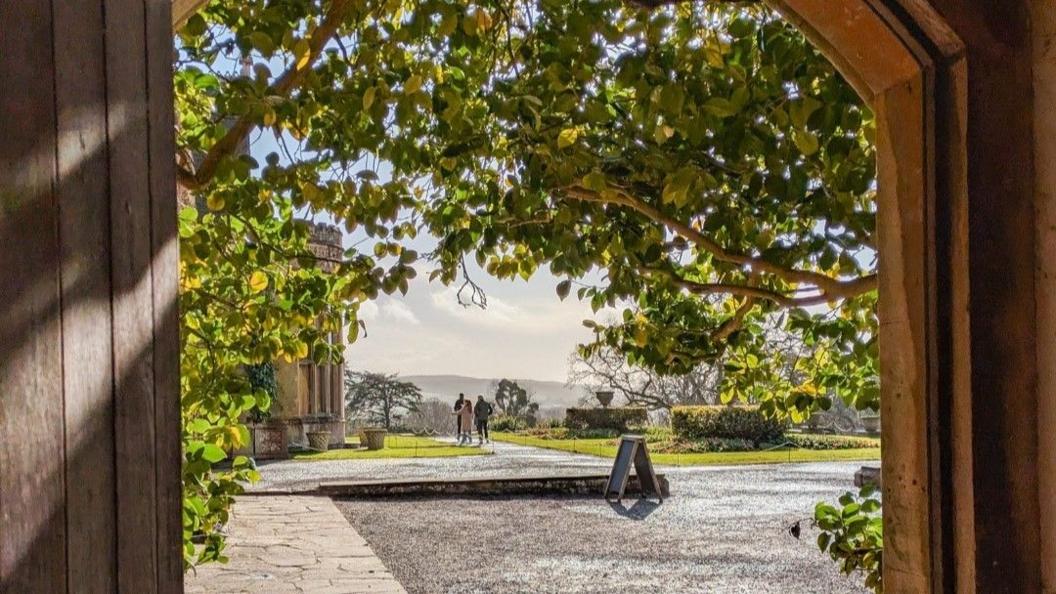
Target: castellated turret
x=325, y=243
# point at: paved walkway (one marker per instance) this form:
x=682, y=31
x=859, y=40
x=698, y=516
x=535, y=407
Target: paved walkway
x=293, y=544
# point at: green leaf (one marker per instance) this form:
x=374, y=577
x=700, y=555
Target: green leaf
x=212, y=453
x=721, y=107
x=262, y=42
x=676, y=190
x=806, y=142
x=671, y=98
x=563, y=289
x=188, y=214
x=595, y=181
x=195, y=26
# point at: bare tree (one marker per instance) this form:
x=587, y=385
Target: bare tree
x=432, y=416
x=607, y=369
x=380, y=397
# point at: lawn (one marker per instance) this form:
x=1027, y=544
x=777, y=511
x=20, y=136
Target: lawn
x=606, y=448
x=396, y=446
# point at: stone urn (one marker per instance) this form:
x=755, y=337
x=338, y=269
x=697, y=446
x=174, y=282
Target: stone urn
x=319, y=440
x=269, y=441
x=604, y=397
x=372, y=437
x=871, y=424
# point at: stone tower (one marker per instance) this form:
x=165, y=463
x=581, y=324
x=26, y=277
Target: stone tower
x=311, y=396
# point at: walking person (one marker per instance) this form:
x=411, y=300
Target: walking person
x=466, y=413
x=458, y=417
x=481, y=412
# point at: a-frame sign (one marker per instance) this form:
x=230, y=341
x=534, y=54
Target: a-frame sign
x=632, y=449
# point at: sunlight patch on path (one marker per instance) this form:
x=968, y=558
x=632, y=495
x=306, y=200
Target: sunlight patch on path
x=293, y=544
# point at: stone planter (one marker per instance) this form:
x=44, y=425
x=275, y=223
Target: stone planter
x=867, y=475
x=604, y=397
x=269, y=441
x=372, y=437
x=871, y=424
x=319, y=440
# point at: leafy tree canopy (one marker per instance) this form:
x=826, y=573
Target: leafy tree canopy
x=514, y=401
x=700, y=158
x=380, y=397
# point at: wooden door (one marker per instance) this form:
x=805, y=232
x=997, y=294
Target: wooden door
x=89, y=378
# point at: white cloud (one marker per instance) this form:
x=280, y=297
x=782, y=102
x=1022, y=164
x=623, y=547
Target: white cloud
x=399, y=311
x=529, y=315
x=368, y=311
x=388, y=309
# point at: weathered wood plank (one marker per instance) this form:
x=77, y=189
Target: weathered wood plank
x=130, y=212
x=165, y=274
x=1005, y=541
x=87, y=354
x=32, y=491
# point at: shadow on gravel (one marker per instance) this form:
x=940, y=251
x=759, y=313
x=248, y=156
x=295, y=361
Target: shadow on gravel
x=639, y=511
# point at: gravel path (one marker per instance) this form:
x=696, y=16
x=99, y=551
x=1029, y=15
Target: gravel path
x=508, y=460
x=722, y=531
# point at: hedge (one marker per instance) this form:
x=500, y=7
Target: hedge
x=831, y=442
x=618, y=418
x=507, y=423
x=728, y=422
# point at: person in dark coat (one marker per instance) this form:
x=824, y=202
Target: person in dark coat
x=458, y=417
x=481, y=412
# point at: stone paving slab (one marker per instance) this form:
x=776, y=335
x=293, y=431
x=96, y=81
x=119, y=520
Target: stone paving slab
x=293, y=544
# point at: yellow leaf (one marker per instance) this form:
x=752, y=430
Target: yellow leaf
x=215, y=202
x=412, y=84
x=302, y=52
x=269, y=117
x=567, y=137
x=258, y=281
x=302, y=350
x=448, y=24
x=483, y=19
x=234, y=435
x=805, y=141
x=641, y=337
x=469, y=26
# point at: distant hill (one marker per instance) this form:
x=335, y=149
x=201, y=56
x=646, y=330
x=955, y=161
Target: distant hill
x=446, y=387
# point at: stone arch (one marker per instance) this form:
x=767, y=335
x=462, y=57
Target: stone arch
x=910, y=68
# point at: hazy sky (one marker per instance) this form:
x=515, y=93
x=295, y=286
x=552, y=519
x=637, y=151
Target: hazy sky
x=525, y=333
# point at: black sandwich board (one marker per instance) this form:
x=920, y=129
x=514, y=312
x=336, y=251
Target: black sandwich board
x=632, y=449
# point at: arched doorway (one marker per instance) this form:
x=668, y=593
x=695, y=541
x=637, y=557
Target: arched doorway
x=898, y=54
x=910, y=69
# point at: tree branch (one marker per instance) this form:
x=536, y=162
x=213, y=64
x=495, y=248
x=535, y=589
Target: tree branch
x=832, y=289
x=756, y=293
x=733, y=324
x=651, y=4
x=287, y=82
